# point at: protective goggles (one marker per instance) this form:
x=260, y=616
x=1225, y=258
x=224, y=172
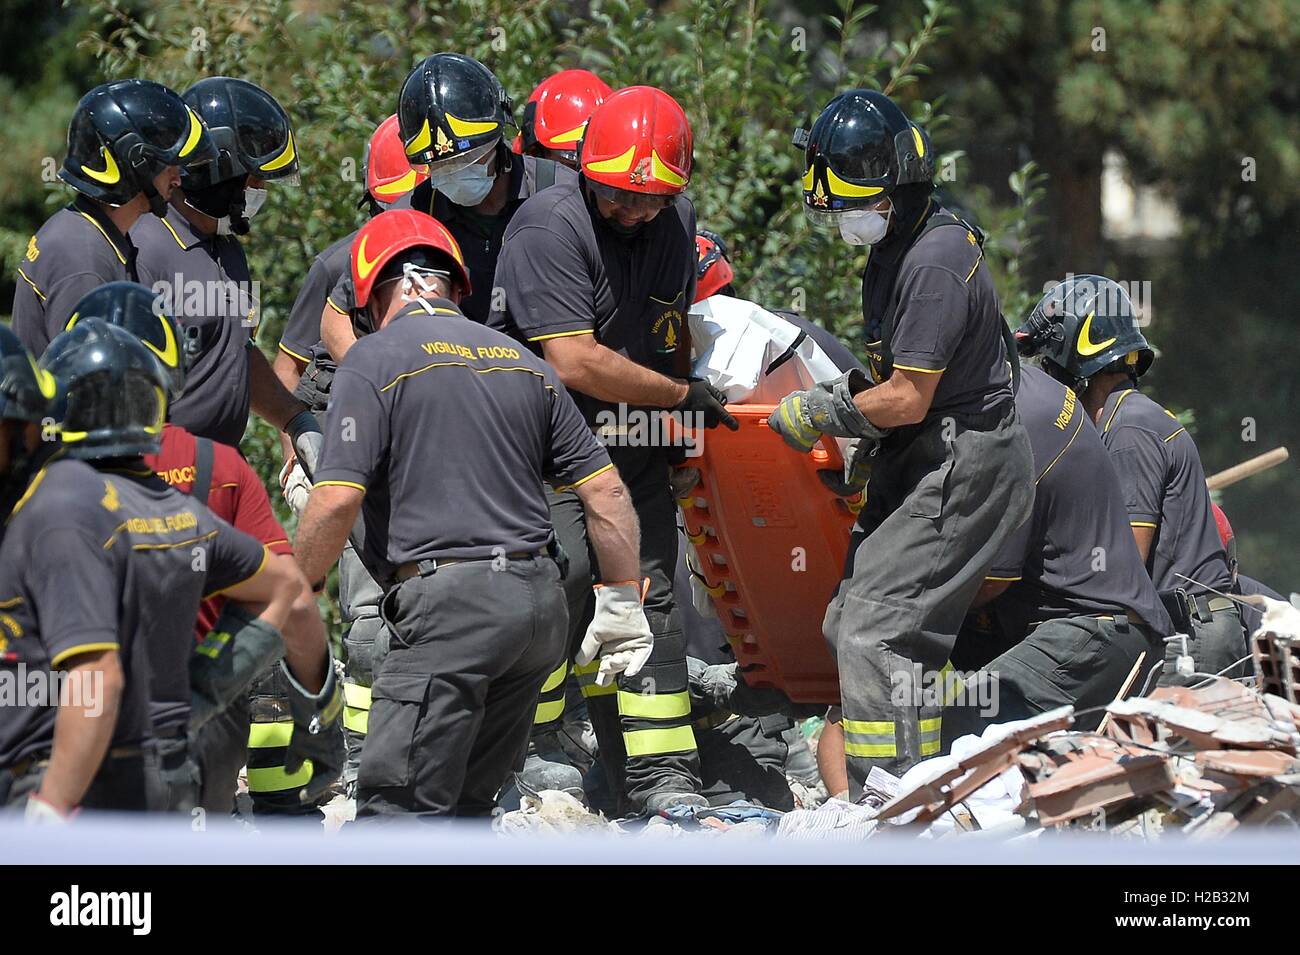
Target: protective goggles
x=636, y=201
x=828, y=219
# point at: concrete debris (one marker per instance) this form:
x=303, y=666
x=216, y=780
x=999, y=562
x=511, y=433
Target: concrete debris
x=552, y=811
x=1276, y=648
x=1198, y=761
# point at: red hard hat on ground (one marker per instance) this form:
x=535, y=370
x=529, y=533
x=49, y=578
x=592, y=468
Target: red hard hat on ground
x=556, y=114
x=638, y=141
x=389, y=175
x=713, y=271
x=395, y=231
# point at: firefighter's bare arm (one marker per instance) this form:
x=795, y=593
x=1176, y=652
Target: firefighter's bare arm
x=612, y=526
x=83, y=728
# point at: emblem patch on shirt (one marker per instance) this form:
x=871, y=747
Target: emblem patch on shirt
x=666, y=327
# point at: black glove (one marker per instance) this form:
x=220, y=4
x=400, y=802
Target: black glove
x=317, y=732
x=852, y=480
x=722, y=686
x=703, y=398
x=304, y=431
x=238, y=650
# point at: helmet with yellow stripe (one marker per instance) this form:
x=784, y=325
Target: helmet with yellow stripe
x=452, y=112
x=1084, y=325
x=125, y=133
x=556, y=115
x=389, y=174
x=27, y=393
x=116, y=400
x=138, y=310
x=255, y=144
x=860, y=150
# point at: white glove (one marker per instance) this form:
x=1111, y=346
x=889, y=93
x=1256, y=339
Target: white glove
x=619, y=632
x=295, y=486
x=38, y=812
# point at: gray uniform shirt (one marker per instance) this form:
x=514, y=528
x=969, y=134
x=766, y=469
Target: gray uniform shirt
x=66, y=591
x=77, y=250
x=930, y=307
x=182, y=554
x=1075, y=554
x=450, y=428
x=205, y=282
x=564, y=272
x=1164, y=488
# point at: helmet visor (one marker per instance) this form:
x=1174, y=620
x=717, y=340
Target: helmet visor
x=636, y=201
x=443, y=168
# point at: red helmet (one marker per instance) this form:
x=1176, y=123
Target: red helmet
x=1221, y=522
x=638, y=141
x=556, y=115
x=395, y=231
x=713, y=269
x=389, y=175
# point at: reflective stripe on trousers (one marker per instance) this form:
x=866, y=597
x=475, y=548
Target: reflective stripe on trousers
x=876, y=739
x=267, y=745
x=586, y=674
x=356, y=708
x=550, y=702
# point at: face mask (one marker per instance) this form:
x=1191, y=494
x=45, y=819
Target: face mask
x=469, y=186
x=865, y=227
x=253, y=200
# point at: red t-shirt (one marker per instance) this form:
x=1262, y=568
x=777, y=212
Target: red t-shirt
x=236, y=495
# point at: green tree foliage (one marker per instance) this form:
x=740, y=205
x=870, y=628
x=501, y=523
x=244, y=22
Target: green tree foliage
x=746, y=73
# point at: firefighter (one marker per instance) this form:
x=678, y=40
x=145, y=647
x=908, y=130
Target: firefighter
x=192, y=257
x=950, y=475
x=306, y=366
x=452, y=115
x=1085, y=333
x=474, y=602
x=597, y=275
x=556, y=115
x=116, y=405
x=127, y=143
x=1071, y=610
x=220, y=479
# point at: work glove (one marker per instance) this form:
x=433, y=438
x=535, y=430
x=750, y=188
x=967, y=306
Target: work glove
x=803, y=417
x=619, y=631
x=723, y=686
x=317, y=732
x=702, y=398
x=295, y=486
x=38, y=812
x=304, y=431
x=852, y=479
x=237, y=650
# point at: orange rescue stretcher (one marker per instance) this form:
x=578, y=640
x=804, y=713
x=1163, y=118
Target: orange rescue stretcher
x=770, y=541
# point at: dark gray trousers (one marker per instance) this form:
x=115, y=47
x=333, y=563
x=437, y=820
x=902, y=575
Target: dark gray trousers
x=1215, y=645
x=1071, y=661
x=453, y=700
x=938, y=508
x=643, y=724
